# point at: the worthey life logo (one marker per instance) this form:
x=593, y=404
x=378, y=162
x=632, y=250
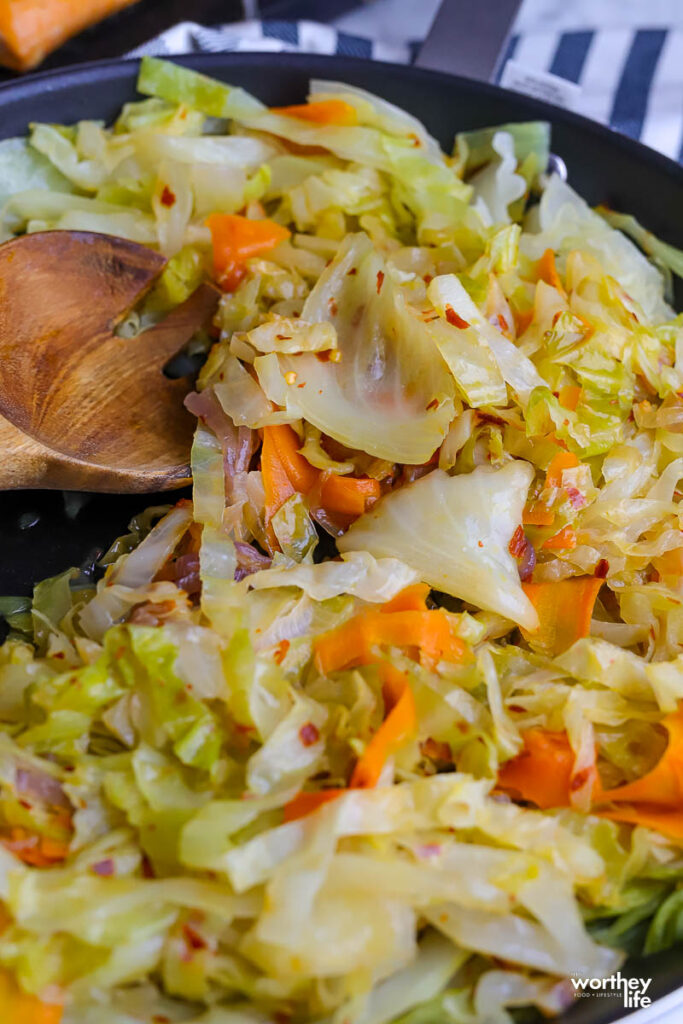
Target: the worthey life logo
x=633, y=990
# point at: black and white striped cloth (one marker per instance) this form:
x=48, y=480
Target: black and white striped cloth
x=630, y=71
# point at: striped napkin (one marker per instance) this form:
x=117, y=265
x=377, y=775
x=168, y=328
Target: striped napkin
x=626, y=56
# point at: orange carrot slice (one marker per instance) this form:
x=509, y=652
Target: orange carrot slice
x=337, y=112
x=236, y=239
x=564, y=608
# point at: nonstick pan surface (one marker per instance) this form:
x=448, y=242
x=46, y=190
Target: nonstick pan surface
x=44, y=532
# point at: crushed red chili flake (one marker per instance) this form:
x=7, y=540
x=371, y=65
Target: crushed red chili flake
x=331, y=302
x=352, y=271
x=487, y=417
x=309, y=734
x=502, y=323
x=434, y=404
x=517, y=708
x=281, y=651
x=427, y=278
x=193, y=938
x=380, y=280
x=518, y=543
x=104, y=868
x=480, y=543
x=160, y=1018
x=455, y=319
x=579, y=780
x=415, y=139
x=601, y=569
x=167, y=197
x=283, y=337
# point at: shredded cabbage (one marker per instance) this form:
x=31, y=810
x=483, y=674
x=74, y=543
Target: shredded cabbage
x=384, y=725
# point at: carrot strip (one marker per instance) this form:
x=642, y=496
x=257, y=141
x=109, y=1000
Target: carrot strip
x=343, y=495
x=337, y=112
x=564, y=540
x=30, y=29
x=669, y=823
x=522, y=318
x=353, y=643
x=276, y=482
x=663, y=786
x=410, y=599
x=302, y=475
x=560, y=462
x=18, y=1007
x=670, y=563
x=547, y=271
x=570, y=396
x=349, y=495
x=538, y=514
x=564, y=611
x=236, y=239
x=305, y=803
x=36, y=850
x=399, y=725
x=542, y=772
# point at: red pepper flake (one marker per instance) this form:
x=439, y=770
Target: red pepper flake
x=480, y=543
x=580, y=779
x=517, y=708
x=59, y=654
x=309, y=734
x=281, y=651
x=193, y=938
x=575, y=497
x=160, y=1018
x=601, y=569
x=434, y=404
x=487, y=417
x=167, y=197
x=454, y=319
x=283, y=337
x=502, y=323
x=415, y=140
x=331, y=302
x=352, y=272
x=25, y=804
x=380, y=280
x=428, y=278
x=518, y=544
x=557, y=316
x=104, y=868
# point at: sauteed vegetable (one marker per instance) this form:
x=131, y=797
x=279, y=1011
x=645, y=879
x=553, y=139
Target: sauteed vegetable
x=386, y=724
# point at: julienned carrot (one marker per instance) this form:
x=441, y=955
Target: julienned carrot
x=236, y=239
x=410, y=599
x=669, y=823
x=547, y=271
x=285, y=471
x=563, y=460
x=522, y=318
x=30, y=29
x=276, y=484
x=663, y=786
x=569, y=396
x=564, y=608
x=36, y=850
x=337, y=112
x=348, y=495
x=18, y=1007
x=305, y=803
x=400, y=723
x=542, y=772
x=398, y=726
x=538, y=514
x=563, y=540
x=355, y=642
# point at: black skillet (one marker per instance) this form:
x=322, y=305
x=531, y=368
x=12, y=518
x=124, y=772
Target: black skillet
x=43, y=532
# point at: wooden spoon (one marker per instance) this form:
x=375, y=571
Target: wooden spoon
x=81, y=408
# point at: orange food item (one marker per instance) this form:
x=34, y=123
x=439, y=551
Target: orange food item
x=410, y=599
x=563, y=540
x=337, y=112
x=398, y=726
x=400, y=723
x=31, y=29
x=570, y=396
x=564, y=608
x=663, y=786
x=560, y=462
x=353, y=642
x=670, y=563
x=18, y=1007
x=236, y=239
x=522, y=319
x=542, y=772
x=538, y=514
x=547, y=271
x=286, y=472
x=36, y=850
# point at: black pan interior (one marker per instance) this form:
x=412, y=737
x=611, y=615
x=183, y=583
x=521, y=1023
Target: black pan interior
x=42, y=533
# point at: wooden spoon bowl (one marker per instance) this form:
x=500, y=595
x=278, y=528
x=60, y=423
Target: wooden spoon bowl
x=81, y=408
